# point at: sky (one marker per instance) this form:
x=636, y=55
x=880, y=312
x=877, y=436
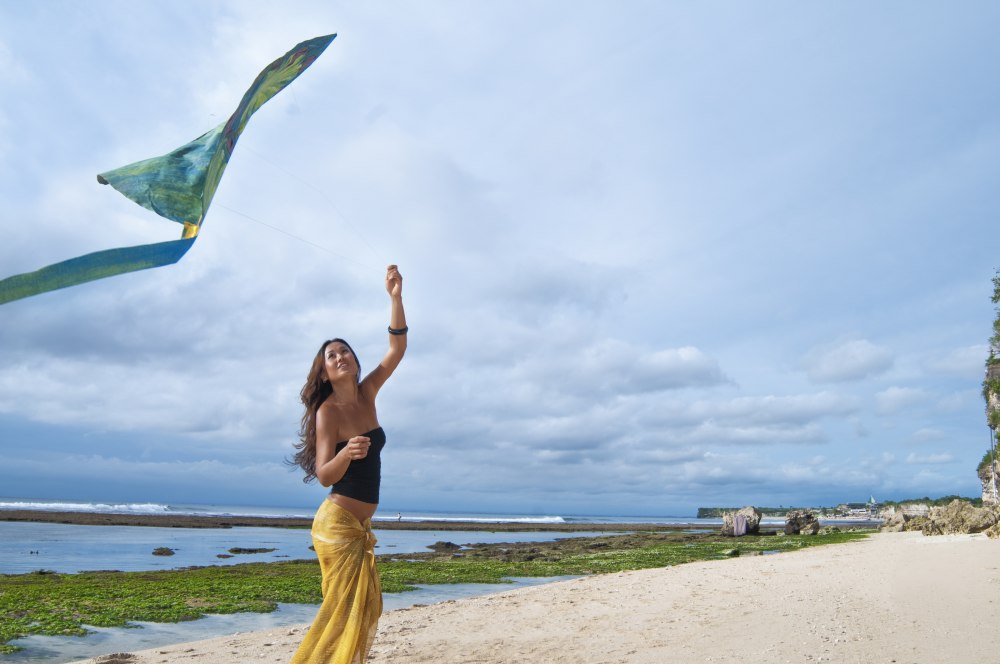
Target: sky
x=656, y=255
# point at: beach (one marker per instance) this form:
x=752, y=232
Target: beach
x=891, y=597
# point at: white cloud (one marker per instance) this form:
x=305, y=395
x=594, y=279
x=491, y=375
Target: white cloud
x=929, y=459
x=756, y=435
x=623, y=369
x=967, y=361
x=928, y=435
x=846, y=361
x=795, y=408
x=897, y=399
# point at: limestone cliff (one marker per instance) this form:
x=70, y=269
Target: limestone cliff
x=992, y=396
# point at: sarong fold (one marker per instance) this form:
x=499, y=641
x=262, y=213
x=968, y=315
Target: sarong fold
x=345, y=625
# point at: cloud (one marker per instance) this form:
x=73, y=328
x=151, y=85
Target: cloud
x=617, y=367
x=897, y=399
x=710, y=432
x=846, y=361
x=928, y=435
x=966, y=361
x=929, y=459
x=797, y=408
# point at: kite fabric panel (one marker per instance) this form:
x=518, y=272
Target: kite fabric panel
x=178, y=186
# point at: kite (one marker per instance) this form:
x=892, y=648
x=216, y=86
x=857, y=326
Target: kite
x=178, y=186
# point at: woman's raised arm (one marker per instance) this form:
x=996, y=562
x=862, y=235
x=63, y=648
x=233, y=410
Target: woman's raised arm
x=397, y=332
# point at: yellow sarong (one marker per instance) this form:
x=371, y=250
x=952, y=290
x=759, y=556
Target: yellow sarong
x=344, y=628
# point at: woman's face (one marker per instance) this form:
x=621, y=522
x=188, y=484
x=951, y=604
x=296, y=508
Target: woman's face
x=339, y=361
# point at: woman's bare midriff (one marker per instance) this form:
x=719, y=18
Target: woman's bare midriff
x=358, y=508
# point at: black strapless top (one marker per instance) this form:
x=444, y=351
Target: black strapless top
x=363, y=476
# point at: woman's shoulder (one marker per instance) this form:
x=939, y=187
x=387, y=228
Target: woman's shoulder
x=328, y=419
x=327, y=409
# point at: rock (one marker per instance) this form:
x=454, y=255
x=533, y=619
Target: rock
x=163, y=551
x=909, y=517
x=116, y=658
x=893, y=522
x=960, y=517
x=801, y=522
x=751, y=516
x=444, y=546
x=986, y=479
x=236, y=550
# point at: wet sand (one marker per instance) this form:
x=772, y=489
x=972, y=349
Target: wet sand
x=892, y=597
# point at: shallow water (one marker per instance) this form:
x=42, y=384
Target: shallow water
x=67, y=549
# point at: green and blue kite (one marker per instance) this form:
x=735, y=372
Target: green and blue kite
x=178, y=186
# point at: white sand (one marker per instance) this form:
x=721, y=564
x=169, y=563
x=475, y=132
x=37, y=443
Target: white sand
x=894, y=597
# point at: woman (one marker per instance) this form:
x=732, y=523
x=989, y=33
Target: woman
x=340, y=445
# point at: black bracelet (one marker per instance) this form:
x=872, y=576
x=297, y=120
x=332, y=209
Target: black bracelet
x=402, y=330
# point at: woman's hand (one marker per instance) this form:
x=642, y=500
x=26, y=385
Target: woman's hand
x=357, y=448
x=393, y=281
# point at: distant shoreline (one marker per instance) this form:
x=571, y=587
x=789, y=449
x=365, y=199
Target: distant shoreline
x=224, y=521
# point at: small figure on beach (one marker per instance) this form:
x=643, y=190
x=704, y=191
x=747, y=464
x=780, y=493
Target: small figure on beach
x=340, y=444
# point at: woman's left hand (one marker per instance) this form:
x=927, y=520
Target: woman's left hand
x=393, y=281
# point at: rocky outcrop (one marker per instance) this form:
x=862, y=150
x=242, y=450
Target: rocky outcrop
x=960, y=517
x=801, y=522
x=897, y=522
x=987, y=480
x=893, y=521
x=908, y=516
x=744, y=521
x=991, y=480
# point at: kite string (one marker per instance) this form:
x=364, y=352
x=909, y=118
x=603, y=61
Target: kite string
x=322, y=194
x=292, y=235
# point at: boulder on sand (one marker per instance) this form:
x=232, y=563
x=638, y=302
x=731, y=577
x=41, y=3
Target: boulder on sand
x=744, y=521
x=801, y=522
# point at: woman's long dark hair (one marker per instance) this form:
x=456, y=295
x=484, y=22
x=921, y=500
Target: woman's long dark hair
x=316, y=390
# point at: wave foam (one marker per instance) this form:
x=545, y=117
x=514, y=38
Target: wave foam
x=474, y=519
x=102, y=508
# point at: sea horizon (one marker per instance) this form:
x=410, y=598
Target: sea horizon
x=395, y=514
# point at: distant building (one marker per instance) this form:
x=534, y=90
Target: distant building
x=867, y=510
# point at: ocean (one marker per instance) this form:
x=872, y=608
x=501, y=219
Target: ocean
x=66, y=548
x=308, y=511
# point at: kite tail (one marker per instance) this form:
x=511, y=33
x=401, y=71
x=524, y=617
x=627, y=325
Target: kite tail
x=93, y=266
